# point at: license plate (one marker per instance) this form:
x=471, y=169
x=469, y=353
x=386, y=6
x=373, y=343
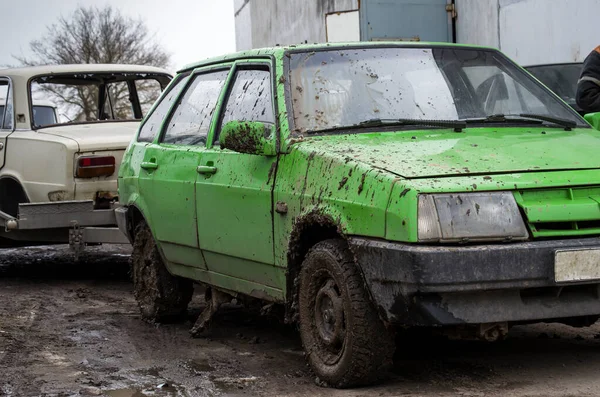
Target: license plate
x=576, y=265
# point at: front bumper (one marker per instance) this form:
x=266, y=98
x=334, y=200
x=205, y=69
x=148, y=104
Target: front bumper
x=448, y=285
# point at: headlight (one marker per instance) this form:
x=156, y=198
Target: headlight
x=461, y=217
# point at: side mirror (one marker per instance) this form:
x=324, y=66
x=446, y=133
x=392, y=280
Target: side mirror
x=593, y=119
x=251, y=137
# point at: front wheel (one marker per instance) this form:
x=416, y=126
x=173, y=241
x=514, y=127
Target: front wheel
x=345, y=341
x=160, y=295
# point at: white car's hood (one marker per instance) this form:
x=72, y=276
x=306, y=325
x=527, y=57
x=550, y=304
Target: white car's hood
x=96, y=136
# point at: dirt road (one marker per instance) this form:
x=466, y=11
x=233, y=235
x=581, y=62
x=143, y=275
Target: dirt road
x=72, y=328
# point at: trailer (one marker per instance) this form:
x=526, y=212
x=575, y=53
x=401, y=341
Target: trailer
x=75, y=222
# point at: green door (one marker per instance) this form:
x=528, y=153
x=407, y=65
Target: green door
x=173, y=163
x=233, y=193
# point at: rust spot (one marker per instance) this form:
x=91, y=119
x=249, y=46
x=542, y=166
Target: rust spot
x=487, y=178
x=282, y=79
x=404, y=192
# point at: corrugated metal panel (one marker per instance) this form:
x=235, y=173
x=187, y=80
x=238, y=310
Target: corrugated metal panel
x=420, y=20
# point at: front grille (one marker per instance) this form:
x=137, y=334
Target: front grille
x=561, y=212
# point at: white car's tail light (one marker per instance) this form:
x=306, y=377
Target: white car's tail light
x=94, y=166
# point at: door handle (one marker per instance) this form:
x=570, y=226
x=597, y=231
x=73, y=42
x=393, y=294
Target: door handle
x=147, y=165
x=206, y=169
x=1, y=146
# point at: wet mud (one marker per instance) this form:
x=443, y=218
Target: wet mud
x=72, y=328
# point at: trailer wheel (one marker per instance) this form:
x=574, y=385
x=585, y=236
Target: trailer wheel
x=160, y=295
x=345, y=341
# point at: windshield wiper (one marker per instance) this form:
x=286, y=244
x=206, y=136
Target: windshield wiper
x=458, y=125
x=567, y=124
x=523, y=118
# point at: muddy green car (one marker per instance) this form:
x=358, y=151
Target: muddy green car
x=366, y=187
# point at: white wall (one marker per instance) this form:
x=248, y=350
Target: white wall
x=549, y=31
x=531, y=31
x=243, y=24
x=477, y=22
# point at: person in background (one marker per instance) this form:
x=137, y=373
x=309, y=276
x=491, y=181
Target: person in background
x=588, y=86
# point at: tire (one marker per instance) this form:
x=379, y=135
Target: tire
x=345, y=341
x=161, y=296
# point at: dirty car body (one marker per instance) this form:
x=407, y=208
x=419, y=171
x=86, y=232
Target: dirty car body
x=64, y=129
x=464, y=190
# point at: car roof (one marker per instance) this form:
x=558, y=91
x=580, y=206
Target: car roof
x=80, y=68
x=270, y=51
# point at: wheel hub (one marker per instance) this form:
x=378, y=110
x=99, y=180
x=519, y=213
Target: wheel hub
x=329, y=315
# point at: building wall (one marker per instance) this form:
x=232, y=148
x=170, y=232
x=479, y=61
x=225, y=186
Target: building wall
x=477, y=22
x=243, y=24
x=284, y=22
x=531, y=31
x=528, y=31
x=549, y=31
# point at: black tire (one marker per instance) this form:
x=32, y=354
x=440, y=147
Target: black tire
x=345, y=341
x=160, y=295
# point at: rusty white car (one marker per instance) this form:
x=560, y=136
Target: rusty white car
x=64, y=129
x=63, y=132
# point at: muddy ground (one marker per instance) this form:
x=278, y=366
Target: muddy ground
x=72, y=328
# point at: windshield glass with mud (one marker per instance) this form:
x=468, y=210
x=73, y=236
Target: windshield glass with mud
x=341, y=88
x=93, y=97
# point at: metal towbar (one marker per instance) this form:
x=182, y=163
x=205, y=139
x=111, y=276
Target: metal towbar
x=72, y=222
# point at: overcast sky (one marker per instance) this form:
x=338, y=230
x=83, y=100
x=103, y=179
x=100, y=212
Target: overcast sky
x=191, y=30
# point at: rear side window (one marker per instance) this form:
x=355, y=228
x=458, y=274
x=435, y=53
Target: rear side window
x=6, y=106
x=250, y=98
x=154, y=121
x=190, y=120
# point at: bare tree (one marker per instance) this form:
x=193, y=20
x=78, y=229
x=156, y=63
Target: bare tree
x=95, y=35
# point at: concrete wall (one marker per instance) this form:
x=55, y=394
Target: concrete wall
x=531, y=31
x=243, y=24
x=284, y=21
x=477, y=22
x=549, y=31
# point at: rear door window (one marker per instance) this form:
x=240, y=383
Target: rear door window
x=154, y=121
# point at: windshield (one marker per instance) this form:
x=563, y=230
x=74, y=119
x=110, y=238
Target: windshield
x=43, y=115
x=94, y=97
x=339, y=88
x=561, y=78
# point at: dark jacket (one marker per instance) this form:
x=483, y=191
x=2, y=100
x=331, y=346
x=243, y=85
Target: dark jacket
x=588, y=86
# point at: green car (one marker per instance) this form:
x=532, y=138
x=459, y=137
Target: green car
x=366, y=187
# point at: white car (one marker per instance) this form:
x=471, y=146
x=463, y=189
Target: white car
x=64, y=129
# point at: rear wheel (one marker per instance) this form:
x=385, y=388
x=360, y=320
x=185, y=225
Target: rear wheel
x=345, y=341
x=160, y=295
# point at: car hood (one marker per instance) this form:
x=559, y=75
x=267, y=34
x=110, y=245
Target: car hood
x=96, y=136
x=427, y=153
